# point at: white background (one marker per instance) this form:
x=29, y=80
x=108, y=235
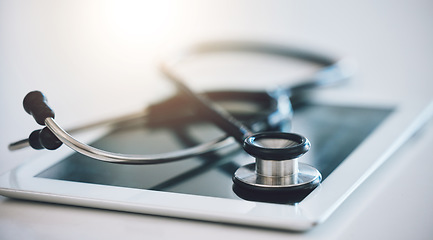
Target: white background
x=97, y=58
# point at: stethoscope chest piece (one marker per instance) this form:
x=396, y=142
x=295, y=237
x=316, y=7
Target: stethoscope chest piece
x=276, y=175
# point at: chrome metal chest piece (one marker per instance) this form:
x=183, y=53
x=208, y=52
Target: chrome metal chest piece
x=276, y=169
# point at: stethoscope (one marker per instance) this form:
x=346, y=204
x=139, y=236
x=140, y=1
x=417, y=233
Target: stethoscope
x=276, y=170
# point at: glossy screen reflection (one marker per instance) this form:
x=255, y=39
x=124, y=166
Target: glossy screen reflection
x=333, y=131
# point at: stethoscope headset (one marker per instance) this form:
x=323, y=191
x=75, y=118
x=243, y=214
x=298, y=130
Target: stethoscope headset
x=276, y=175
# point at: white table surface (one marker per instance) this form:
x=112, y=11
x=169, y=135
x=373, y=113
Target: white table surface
x=88, y=54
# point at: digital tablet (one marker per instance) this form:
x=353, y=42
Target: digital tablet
x=351, y=136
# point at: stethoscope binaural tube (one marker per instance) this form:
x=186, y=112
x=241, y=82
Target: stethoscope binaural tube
x=267, y=114
x=52, y=136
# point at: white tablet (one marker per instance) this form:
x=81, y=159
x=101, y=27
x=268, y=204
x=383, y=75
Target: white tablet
x=351, y=137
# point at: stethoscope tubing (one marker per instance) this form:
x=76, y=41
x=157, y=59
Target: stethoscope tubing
x=332, y=72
